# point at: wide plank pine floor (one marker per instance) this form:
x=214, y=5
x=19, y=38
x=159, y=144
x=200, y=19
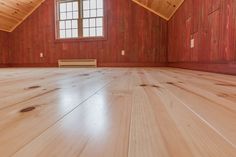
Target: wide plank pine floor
x=120, y=112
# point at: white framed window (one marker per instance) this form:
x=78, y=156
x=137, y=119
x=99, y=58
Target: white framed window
x=79, y=18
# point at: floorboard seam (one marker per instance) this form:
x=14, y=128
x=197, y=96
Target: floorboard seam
x=65, y=115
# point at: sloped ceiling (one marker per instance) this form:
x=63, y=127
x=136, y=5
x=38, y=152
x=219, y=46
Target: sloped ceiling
x=163, y=8
x=13, y=12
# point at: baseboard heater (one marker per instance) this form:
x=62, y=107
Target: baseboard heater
x=77, y=63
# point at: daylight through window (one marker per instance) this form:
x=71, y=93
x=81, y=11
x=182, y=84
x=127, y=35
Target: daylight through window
x=80, y=18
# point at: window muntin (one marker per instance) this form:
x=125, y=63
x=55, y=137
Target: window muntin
x=92, y=18
x=68, y=19
x=80, y=18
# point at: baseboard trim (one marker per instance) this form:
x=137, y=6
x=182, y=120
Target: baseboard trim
x=4, y=65
x=33, y=65
x=99, y=65
x=132, y=64
x=224, y=68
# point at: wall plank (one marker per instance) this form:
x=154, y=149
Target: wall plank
x=213, y=25
x=142, y=34
x=4, y=48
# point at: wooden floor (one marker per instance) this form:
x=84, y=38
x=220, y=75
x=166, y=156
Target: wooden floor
x=152, y=112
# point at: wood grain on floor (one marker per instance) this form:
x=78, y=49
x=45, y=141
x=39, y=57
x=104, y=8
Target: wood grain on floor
x=120, y=112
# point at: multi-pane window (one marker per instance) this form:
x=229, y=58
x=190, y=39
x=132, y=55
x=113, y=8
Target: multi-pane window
x=80, y=18
x=92, y=18
x=68, y=19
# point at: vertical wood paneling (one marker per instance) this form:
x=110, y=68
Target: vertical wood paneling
x=4, y=48
x=228, y=25
x=213, y=25
x=142, y=34
x=213, y=36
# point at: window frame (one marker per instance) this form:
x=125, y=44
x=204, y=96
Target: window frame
x=74, y=39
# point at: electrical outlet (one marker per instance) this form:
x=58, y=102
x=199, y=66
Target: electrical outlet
x=192, y=43
x=41, y=55
x=123, y=52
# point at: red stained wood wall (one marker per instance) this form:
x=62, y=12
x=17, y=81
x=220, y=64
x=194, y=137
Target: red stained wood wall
x=4, y=48
x=212, y=24
x=130, y=27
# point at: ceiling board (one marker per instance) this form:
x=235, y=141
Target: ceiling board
x=13, y=12
x=163, y=8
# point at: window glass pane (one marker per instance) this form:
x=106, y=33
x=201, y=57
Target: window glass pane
x=69, y=6
x=62, y=25
x=99, y=22
x=75, y=15
x=68, y=33
x=92, y=32
x=62, y=33
x=69, y=15
x=99, y=31
x=93, y=13
x=86, y=32
x=68, y=24
x=86, y=14
x=74, y=24
x=62, y=16
x=100, y=12
x=86, y=4
x=62, y=7
x=85, y=22
x=93, y=4
x=75, y=6
x=92, y=23
x=74, y=33
x=99, y=3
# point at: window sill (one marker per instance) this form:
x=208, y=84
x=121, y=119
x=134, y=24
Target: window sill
x=80, y=39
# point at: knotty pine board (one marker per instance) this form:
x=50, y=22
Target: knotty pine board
x=132, y=112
